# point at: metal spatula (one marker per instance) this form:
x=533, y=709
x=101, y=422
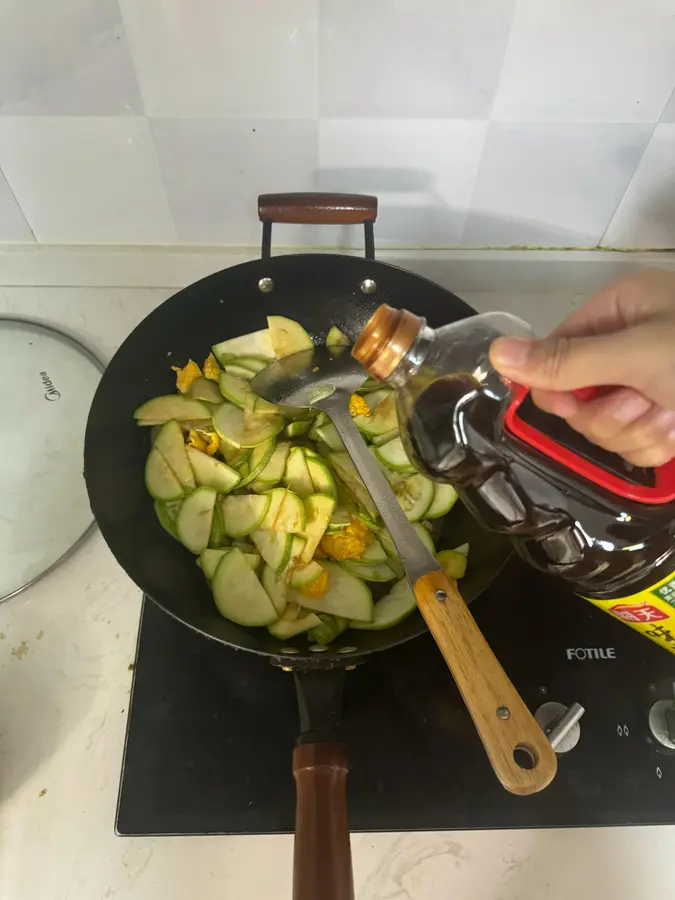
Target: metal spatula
x=518, y=749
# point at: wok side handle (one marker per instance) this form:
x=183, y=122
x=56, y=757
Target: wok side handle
x=322, y=860
x=309, y=208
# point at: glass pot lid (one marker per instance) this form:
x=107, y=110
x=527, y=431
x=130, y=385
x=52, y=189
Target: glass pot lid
x=47, y=382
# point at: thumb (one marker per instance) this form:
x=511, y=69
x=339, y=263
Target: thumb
x=568, y=363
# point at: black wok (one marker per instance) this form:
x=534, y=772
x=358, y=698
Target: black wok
x=318, y=290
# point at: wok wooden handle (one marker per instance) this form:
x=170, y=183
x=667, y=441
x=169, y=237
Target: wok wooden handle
x=504, y=723
x=322, y=858
x=317, y=208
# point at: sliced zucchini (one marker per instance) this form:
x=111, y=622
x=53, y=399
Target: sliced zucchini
x=234, y=389
x=238, y=371
x=193, y=525
x=369, y=571
x=296, y=476
x=166, y=520
x=295, y=429
x=274, y=547
x=283, y=629
x=287, y=336
x=390, y=610
x=415, y=494
x=238, y=593
x=286, y=512
x=452, y=562
x=336, y=338
x=171, y=406
x=205, y=389
x=160, y=480
x=379, y=439
x=233, y=426
x=210, y=472
x=373, y=554
x=425, y=537
x=382, y=420
x=330, y=628
x=210, y=559
x=393, y=456
x=274, y=470
x=345, y=596
x=257, y=344
x=318, y=510
x=254, y=363
x=345, y=470
x=217, y=538
x=329, y=435
x=244, y=513
x=301, y=576
x=445, y=497
x=258, y=460
x=277, y=589
x=171, y=445
x=463, y=548
x=322, y=480
x=374, y=398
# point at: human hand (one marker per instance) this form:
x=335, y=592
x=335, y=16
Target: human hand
x=624, y=336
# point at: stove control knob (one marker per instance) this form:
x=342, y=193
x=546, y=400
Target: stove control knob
x=560, y=724
x=662, y=722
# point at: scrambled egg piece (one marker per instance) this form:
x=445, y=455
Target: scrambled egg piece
x=358, y=406
x=204, y=441
x=186, y=376
x=350, y=543
x=316, y=588
x=211, y=368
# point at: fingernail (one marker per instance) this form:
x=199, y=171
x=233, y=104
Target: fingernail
x=511, y=353
x=631, y=408
x=665, y=419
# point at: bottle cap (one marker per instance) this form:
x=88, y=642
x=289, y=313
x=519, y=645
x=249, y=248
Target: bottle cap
x=385, y=339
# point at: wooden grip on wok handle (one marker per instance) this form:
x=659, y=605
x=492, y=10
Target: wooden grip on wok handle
x=317, y=208
x=322, y=858
x=507, y=728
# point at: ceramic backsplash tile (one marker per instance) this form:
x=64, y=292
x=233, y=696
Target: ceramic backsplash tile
x=214, y=169
x=86, y=180
x=67, y=58
x=13, y=225
x=669, y=111
x=411, y=58
x=422, y=171
x=646, y=214
x=552, y=184
x=485, y=122
x=229, y=58
x=581, y=61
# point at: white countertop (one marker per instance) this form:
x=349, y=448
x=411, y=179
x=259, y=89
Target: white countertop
x=65, y=648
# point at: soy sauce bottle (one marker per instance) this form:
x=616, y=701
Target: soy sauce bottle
x=570, y=508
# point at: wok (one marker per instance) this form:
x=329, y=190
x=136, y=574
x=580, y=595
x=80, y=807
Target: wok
x=318, y=290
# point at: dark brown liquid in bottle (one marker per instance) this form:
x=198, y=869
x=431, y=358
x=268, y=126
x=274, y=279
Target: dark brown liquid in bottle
x=606, y=545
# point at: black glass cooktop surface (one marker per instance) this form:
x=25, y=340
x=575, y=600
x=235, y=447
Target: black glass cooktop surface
x=211, y=730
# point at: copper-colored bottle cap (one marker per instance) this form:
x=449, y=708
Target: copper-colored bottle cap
x=385, y=339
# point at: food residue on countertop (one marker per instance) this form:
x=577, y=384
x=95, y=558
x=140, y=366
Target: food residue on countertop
x=20, y=650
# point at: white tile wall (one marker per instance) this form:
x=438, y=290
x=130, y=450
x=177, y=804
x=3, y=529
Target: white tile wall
x=485, y=122
x=214, y=169
x=411, y=58
x=230, y=58
x=552, y=184
x=646, y=214
x=86, y=180
x=66, y=58
x=13, y=225
x=422, y=170
x=588, y=61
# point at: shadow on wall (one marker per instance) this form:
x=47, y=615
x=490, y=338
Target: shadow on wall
x=415, y=213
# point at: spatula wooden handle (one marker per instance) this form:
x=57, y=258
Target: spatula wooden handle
x=504, y=723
